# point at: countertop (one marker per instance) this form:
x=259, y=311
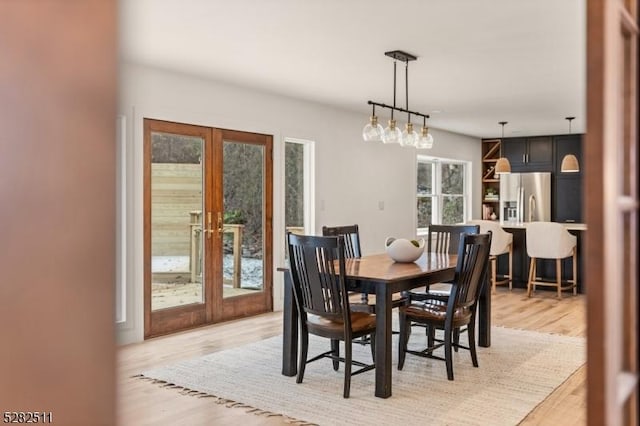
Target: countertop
x=571, y=226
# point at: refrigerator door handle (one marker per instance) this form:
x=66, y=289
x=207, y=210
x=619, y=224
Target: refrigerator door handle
x=532, y=207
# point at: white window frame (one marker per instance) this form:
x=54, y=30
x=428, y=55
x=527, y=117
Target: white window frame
x=437, y=196
x=308, y=182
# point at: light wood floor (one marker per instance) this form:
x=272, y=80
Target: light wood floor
x=142, y=403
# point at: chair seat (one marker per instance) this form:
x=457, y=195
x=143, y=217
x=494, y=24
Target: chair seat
x=435, y=311
x=361, y=323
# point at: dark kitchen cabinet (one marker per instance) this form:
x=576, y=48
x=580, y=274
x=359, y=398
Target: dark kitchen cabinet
x=567, y=187
x=564, y=145
x=530, y=154
x=567, y=204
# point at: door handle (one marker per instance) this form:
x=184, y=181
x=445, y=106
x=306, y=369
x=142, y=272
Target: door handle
x=220, y=226
x=209, y=229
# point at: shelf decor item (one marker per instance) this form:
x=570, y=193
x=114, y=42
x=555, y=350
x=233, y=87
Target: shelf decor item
x=403, y=250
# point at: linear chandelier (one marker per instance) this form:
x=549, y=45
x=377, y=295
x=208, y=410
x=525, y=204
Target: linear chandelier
x=373, y=131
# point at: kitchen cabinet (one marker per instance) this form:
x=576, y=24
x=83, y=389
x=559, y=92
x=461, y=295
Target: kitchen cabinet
x=567, y=187
x=567, y=203
x=563, y=145
x=529, y=154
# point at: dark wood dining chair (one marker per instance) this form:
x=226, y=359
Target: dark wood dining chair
x=460, y=309
x=351, y=236
x=442, y=239
x=352, y=250
x=318, y=275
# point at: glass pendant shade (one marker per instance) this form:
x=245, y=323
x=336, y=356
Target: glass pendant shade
x=502, y=166
x=570, y=164
x=426, y=140
x=373, y=131
x=392, y=134
x=409, y=136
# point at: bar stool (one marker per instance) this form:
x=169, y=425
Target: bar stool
x=501, y=243
x=551, y=240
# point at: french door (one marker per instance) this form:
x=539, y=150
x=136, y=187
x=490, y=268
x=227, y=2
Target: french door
x=207, y=225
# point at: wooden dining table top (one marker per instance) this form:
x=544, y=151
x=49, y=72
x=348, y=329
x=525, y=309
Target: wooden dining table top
x=381, y=267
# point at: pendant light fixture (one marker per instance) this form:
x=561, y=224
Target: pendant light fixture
x=570, y=162
x=502, y=165
x=426, y=140
x=373, y=131
x=392, y=134
x=409, y=136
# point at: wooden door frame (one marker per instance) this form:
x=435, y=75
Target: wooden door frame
x=180, y=317
x=214, y=308
x=250, y=304
x=612, y=383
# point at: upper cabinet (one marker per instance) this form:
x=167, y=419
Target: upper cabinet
x=530, y=154
x=567, y=144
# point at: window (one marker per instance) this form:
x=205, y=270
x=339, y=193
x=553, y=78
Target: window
x=442, y=193
x=298, y=186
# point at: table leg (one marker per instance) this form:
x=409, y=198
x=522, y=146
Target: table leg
x=289, y=330
x=484, y=314
x=383, y=341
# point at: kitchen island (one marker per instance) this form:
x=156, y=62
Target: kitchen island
x=546, y=268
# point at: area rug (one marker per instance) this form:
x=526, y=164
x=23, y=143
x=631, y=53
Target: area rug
x=516, y=373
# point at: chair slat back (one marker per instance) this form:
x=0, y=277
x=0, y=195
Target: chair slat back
x=445, y=238
x=351, y=236
x=473, y=258
x=317, y=271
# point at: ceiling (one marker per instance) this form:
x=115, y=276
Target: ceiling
x=479, y=62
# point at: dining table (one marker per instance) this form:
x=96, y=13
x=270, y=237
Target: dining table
x=380, y=275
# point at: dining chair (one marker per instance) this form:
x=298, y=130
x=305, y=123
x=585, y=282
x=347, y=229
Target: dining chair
x=443, y=239
x=317, y=266
x=459, y=311
x=501, y=243
x=351, y=236
x=551, y=240
x=352, y=250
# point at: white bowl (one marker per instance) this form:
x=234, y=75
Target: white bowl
x=403, y=250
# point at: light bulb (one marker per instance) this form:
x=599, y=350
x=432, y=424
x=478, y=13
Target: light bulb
x=392, y=134
x=409, y=136
x=373, y=131
x=426, y=140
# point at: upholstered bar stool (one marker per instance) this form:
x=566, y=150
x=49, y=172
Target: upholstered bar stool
x=501, y=243
x=551, y=240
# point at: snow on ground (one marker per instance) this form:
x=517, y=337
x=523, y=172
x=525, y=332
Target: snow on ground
x=251, y=268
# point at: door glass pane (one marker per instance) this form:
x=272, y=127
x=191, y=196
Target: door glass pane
x=243, y=218
x=176, y=220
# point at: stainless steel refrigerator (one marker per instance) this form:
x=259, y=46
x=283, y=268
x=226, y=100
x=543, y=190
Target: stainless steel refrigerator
x=525, y=197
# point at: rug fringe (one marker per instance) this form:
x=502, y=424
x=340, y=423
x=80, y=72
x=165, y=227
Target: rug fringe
x=222, y=401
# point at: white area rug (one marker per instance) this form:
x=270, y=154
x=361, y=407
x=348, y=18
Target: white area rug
x=516, y=373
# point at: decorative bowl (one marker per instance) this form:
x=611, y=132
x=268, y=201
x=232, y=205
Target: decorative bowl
x=403, y=250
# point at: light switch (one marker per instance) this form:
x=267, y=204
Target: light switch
x=380, y=205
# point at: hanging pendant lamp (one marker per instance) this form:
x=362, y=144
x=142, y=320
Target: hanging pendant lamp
x=373, y=131
x=503, y=166
x=569, y=162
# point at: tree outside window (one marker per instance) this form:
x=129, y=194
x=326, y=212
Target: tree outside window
x=441, y=192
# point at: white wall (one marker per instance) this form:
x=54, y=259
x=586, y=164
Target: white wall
x=351, y=176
